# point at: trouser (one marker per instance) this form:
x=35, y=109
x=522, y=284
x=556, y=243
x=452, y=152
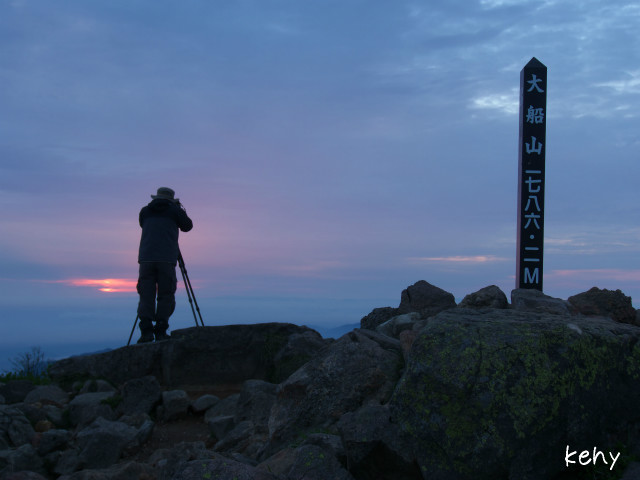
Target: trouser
x=156, y=278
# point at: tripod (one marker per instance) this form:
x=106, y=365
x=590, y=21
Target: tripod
x=190, y=294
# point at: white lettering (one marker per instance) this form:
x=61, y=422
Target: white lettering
x=584, y=457
x=615, y=459
x=584, y=454
x=531, y=277
x=534, y=146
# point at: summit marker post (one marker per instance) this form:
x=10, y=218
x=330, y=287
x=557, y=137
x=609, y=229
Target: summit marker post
x=531, y=166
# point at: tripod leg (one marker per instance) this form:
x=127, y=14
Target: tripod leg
x=133, y=330
x=183, y=270
x=190, y=291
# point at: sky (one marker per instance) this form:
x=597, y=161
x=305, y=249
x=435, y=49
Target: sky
x=330, y=154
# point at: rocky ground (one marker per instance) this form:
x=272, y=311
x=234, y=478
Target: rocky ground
x=486, y=389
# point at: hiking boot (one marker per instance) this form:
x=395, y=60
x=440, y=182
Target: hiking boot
x=146, y=338
x=162, y=336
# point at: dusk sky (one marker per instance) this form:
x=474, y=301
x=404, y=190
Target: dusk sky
x=330, y=153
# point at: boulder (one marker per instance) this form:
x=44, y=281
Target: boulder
x=500, y=393
x=204, y=403
x=96, y=385
x=221, y=467
x=24, y=475
x=426, y=299
x=47, y=395
x=377, y=317
x=376, y=447
x=86, y=407
x=532, y=300
x=16, y=391
x=102, y=443
x=225, y=407
x=310, y=462
x=23, y=458
x=298, y=350
x=487, y=297
x=140, y=395
x=360, y=368
x=175, y=405
x=221, y=425
x=196, y=356
x=255, y=402
x=53, y=440
x=605, y=303
x=15, y=428
x=124, y=471
x=396, y=325
x=169, y=461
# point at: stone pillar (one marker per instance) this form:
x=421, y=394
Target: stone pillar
x=531, y=162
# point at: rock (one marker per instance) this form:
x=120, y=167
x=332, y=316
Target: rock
x=170, y=461
x=55, y=415
x=487, y=297
x=377, y=317
x=16, y=391
x=632, y=472
x=407, y=337
x=33, y=412
x=498, y=393
x=221, y=425
x=53, y=440
x=204, y=403
x=225, y=407
x=125, y=471
x=23, y=458
x=255, y=402
x=310, y=462
x=140, y=395
x=224, y=355
x=48, y=395
x=426, y=299
x=15, y=428
x=102, y=443
x=396, y=325
x=99, y=385
x=240, y=439
x=353, y=371
x=67, y=463
x=298, y=350
x=605, y=303
x=24, y=475
x=175, y=405
x=86, y=407
x=377, y=447
x=532, y=300
x=221, y=467
x=43, y=426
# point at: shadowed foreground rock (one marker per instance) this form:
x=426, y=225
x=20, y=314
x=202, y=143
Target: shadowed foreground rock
x=484, y=390
x=203, y=356
x=500, y=394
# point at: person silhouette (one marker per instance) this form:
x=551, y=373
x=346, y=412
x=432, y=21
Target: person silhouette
x=160, y=220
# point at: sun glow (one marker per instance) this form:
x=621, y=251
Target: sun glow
x=108, y=285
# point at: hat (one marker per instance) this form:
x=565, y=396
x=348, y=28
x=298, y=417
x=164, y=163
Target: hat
x=166, y=193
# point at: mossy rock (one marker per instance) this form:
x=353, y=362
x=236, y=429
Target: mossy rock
x=497, y=394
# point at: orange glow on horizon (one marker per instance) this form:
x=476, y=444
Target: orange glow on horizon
x=108, y=285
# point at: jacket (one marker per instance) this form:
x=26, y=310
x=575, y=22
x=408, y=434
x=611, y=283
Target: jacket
x=161, y=221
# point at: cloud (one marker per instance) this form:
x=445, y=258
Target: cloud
x=459, y=259
x=597, y=274
x=628, y=85
x=505, y=103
